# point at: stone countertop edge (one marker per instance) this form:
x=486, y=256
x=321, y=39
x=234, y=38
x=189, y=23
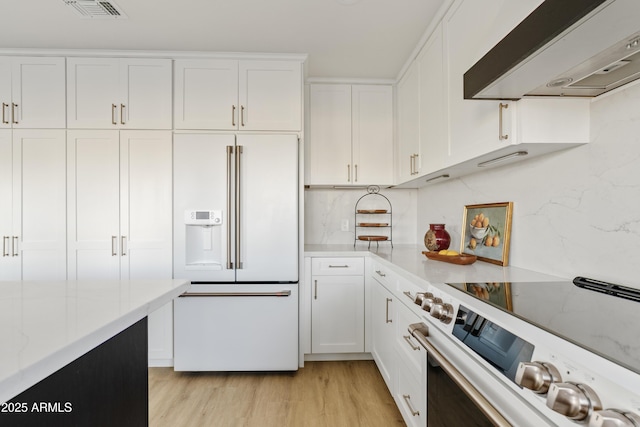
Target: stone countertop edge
x=409, y=261
x=26, y=376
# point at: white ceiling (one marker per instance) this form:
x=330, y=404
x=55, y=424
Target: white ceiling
x=368, y=39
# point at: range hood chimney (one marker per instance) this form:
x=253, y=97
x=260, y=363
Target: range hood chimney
x=563, y=48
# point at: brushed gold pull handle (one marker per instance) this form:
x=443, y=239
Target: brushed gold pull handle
x=407, y=399
x=13, y=113
x=355, y=171
x=233, y=115
x=114, y=244
x=380, y=273
x=14, y=246
x=407, y=338
x=229, y=195
x=501, y=107
x=123, y=245
x=122, y=107
x=113, y=114
x=348, y=173
x=387, y=320
x=315, y=289
x=242, y=115
x=5, y=246
x=4, y=115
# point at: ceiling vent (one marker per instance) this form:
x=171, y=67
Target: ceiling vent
x=96, y=9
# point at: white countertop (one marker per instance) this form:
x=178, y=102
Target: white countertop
x=414, y=264
x=46, y=325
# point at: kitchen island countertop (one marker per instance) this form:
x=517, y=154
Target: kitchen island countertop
x=412, y=263
x=46, y=325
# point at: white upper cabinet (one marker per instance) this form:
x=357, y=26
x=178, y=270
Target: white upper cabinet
x=225, y=94
x=408, y=123
x=119, y=93
x=32, y=92
x=351, y=134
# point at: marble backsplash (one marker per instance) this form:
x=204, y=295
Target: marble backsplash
x=576, y=212
x=326, y=209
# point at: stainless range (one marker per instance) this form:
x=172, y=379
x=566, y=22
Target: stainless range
x=534, y=353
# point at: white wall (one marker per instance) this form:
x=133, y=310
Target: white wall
x=324, y=209
x=576, y=212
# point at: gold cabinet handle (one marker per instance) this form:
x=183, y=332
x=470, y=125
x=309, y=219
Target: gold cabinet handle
x=14, y=246
x=315, y=289
x=407, y=399
x=113, y=114
x=114, y=243
x=4, y=115
x=233, y=115
x=380, y=273
x=123, y=245
x=13, y=113
x=501, y=107
x=122, y=107
x=242, y=115
x=355, y=171
x=348, y=173
x=5, y=246
x=407, y=338
x=387, y=320
x=229, y=196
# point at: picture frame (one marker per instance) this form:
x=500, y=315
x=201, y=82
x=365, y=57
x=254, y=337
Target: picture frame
x=497, y=293
x=486, y=232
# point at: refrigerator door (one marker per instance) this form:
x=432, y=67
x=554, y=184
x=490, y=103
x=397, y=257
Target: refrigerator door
x=267, y=208
x=203, y=182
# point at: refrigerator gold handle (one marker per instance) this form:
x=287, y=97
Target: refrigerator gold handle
x=229, y=190
x=238, y=205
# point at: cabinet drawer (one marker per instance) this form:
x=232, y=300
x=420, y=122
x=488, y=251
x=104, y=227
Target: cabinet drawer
x=337, y=266
x=411, y=396
x=409, y=349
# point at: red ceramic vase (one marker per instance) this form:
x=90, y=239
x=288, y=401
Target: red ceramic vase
x=437, y=238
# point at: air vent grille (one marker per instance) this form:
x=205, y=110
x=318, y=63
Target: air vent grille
x=96, y=9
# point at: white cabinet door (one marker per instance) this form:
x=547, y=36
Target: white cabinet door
x=337, y=314
x=372, y=134
x=146, y=94
x=434, y=147
x=471, y=29
x=40, y=203
x=383, y=332
x=32, y=92
x=238, y=95
x=270, y=95
x=9, y=264
x=93, y=92
x=408, y=123
x=93, y=204
x=330, y=134
x=112, y=93
x=206, y=94
x=33, y=182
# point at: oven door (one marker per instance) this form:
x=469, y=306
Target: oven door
x=451, y=399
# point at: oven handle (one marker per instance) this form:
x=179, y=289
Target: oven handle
x=237, y=294
x=420, y=332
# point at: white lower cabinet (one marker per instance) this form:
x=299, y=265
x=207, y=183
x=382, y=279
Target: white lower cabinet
x=33, y=204
x=337, y=305
x=383, y=332
x=119, y=213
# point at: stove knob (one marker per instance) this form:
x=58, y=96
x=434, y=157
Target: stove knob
x=420, y=296
x=442, y=312
x=537, y=376
x=573, y=400
x=429, y=301
x=614, y=418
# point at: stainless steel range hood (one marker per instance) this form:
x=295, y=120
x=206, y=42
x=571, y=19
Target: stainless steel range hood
x=563, y=48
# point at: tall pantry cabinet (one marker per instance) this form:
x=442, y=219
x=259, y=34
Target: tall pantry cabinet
x=32, y=168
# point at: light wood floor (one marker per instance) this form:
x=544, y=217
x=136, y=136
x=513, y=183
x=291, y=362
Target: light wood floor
x=335, y=394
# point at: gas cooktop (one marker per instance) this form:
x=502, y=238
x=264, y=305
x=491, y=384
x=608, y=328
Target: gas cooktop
x=598, y=316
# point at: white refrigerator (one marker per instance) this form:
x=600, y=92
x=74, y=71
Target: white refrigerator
x=236, y=239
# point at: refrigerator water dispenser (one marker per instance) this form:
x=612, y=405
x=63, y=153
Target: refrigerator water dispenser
x=203, y=239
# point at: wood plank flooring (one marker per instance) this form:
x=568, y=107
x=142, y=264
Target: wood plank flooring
x=322, y=394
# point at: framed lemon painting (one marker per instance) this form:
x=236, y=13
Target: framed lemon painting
x=486, y=232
